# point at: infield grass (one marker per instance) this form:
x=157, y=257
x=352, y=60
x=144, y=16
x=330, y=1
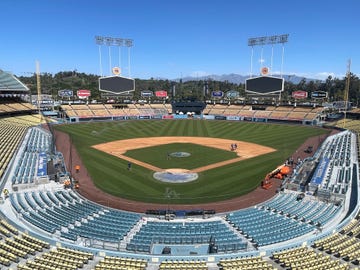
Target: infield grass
x=110, y=173
x=199, y=155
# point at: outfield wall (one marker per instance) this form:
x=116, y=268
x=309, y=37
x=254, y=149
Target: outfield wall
x=184, y=116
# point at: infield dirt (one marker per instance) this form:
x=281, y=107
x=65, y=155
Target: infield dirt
x=91, y=192
x=244, y=150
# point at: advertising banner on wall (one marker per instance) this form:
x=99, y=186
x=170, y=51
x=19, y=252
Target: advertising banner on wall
x=119, y=118
x=319, y=94
x=209, y=117
x=131, y=117
x=65, y=93
x=180, y=116
x=83, y=93
x=161, y=93
x=217, y=94
x=42, y=164
x=232, y=94
x=146, y=93
x=299, y=94
x=233, y=118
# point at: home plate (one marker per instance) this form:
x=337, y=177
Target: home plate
x=176, y=176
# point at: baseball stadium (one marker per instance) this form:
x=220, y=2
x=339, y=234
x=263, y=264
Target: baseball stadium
x=140, y=186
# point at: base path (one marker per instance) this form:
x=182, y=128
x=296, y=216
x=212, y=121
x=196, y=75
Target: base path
x=244, y=150
x=91, y=192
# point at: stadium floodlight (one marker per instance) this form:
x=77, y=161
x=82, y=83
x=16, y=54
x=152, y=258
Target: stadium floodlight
x=119, y=41
x=273, y=39
x=267, y=40
x=99, y=40
x=109, y=41
x=128, y=42
x=284, y=38
x=114, y=41
x=260, y=41
x=251, y=42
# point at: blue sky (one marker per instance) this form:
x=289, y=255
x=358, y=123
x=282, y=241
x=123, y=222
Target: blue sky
x=173, y=39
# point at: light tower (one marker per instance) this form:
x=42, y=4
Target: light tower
x=347, y=89
x=268, y=40
x=129, y=44
x=116, y=42
x=115, y=83
x=100, y=41
x=38, y=86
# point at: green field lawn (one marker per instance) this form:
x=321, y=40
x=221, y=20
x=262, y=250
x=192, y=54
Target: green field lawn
x=110, y=173
x=199, y=155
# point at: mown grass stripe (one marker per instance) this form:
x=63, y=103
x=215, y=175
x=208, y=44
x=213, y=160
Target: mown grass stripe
x=110, y=173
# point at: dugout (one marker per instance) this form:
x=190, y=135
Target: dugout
x=188, y=107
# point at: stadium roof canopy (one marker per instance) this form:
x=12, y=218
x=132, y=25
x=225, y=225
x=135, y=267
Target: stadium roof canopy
x=10, y=83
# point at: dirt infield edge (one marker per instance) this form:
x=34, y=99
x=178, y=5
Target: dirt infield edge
x=91, y=192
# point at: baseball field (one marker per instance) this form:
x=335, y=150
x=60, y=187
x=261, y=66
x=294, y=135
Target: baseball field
x=122, y=156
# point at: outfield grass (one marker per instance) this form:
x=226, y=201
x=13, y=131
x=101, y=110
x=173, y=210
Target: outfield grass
x=110, y=173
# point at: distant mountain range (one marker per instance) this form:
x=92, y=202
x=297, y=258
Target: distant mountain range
x=237, y=78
